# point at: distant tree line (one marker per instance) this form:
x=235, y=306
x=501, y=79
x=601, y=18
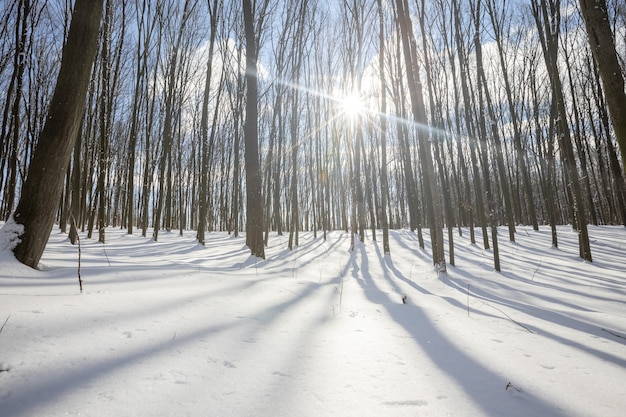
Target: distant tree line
x=359, y=115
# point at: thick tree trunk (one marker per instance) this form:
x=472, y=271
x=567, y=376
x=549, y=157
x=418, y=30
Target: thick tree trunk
x=42, y=189
x=254, y=200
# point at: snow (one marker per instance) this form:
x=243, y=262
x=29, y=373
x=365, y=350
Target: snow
x=172, y=328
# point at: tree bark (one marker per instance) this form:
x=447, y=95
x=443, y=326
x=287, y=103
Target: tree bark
x=433, y=201
x=602, y=45
x=42, y=189
x=204, y=164
x=254, y=200
x=384, y=180
x=549, y=41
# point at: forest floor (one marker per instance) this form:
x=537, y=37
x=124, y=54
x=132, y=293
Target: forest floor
x=173, y=328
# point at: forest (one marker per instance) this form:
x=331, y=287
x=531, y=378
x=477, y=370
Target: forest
x=311, y=115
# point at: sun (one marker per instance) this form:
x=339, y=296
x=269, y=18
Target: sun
x=352, y=105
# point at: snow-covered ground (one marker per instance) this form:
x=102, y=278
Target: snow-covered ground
x=177, y=329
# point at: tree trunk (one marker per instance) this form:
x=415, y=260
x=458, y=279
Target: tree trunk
x=204, y=124
x=384, y=180
x=433, y=203
x=42, y=190
x=520, y=157
x=470, y=130
x=254, y=200
x=17, y=79
x=549, y=41
x=602, y=45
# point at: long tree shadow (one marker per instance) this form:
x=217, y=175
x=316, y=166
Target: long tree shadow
x=480, y=383
x=543, y=315
x=25, y=399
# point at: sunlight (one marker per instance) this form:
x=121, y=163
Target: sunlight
x=352, y=105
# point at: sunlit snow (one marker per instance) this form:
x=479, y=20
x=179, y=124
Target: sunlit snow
x=177, y=329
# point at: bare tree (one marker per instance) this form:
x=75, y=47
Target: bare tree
x=602, y=43
x=15, y=94
x=547, y=19
x=383, y=128
x=254, y=200
x=205, y=153
x=497, y=19
x=164, y=197
x=42, y=189
x=433, y=203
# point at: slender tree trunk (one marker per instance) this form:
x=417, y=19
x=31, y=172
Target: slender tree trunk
x=549, y=40
x=435, y=120
x=164, y=197
x=433, y=202
x=519, y=151
x=476, y=178
x=384, y=180
x=141, y=69
x=294, y=226
x=495, y=136
x=204, y=123
x=148, y=159
x=602, y=43
x=103, y=152
x=17, y=79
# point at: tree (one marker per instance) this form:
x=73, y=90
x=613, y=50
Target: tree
x=383, y=128
x=143, y=40
x=204, y=158
x=165, y=161
x=17, y=82
x=43, y=187
x=296, y=65
x=602, y=45
x=254, y=200
x=467, y=105
x=497, y=21
x=548, y=27
x=433, y=202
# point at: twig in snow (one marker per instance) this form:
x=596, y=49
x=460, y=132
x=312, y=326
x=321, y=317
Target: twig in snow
x=507, y=316
x=533, y=277
x=509, y=385
x=5, y=322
